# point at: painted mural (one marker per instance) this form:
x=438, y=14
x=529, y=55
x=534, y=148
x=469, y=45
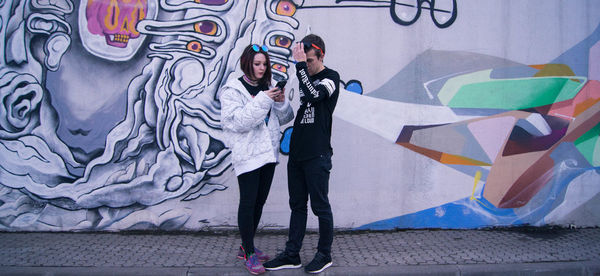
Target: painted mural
x=110, y=118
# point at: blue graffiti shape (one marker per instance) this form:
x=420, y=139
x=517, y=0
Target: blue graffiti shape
x=407, y=12
x=570, y=168
x=284, y=145
x=578, y=56
x=463, y=213
x=354, y=86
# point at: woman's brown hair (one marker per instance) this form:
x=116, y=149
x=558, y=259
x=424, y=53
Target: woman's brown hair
x=246, y=63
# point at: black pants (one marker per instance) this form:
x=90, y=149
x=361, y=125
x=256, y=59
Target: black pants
x=309, y=178
x=254, y=189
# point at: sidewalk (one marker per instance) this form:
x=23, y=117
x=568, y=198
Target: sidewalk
x=516, y=251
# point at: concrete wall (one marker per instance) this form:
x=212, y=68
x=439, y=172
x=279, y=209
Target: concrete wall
x=453, y=114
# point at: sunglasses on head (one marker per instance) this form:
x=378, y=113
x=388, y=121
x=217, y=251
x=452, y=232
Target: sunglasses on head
x=257, y=48
x=312, y=45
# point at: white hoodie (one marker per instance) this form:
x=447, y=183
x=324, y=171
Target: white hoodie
x=253, y=143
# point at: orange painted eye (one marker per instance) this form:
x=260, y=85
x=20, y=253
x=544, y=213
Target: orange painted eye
x=194, y=46
x=206, y=27
x=279, y=68
x=285, y=7
x=282, y=41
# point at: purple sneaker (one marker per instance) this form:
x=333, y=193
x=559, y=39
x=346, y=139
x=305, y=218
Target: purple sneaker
x=261, y=255
x=253, y=265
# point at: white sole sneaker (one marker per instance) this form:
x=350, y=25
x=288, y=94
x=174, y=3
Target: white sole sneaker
x=322, y=268
x=284, y=267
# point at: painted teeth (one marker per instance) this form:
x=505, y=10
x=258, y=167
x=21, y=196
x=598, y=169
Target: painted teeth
x=120, y=38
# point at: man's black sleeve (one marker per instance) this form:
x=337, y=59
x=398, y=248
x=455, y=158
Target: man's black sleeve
x=315, y=93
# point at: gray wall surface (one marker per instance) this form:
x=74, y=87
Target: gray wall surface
x=452, y=114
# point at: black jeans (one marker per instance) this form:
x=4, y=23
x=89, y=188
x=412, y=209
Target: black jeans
x=254, y=189
x=309, y=178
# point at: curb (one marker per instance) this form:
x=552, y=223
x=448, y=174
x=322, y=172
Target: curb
x=588, y=268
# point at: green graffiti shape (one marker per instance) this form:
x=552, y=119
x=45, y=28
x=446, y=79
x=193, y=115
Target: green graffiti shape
x=478, y=90
x=589, y=145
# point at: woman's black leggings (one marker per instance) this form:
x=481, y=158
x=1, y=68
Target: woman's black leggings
x=254, y=189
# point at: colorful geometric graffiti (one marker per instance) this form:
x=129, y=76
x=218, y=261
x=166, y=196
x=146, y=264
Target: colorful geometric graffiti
x=542, y=130
x=110, y=119
x=516, y=144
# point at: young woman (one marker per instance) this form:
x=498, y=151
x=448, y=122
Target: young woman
x=251, y=115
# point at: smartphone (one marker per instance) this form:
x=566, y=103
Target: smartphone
x=281, y=84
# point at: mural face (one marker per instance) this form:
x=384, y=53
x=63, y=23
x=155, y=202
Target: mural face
x=111, y=120
x=166, y=144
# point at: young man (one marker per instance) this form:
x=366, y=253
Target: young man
x=310, y=156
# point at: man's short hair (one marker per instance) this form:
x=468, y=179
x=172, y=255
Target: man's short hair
x=311, y=39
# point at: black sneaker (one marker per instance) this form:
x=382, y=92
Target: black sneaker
x=319, y=263
x=282, y=261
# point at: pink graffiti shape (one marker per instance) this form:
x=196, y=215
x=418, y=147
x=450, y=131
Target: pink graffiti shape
x=115, y=19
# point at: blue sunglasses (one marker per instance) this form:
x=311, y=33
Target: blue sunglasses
x=257, y=48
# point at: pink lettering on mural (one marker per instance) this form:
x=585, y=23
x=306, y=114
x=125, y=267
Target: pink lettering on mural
x=115, y=19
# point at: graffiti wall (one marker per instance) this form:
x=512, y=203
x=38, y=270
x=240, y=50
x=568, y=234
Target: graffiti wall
x=453, y=114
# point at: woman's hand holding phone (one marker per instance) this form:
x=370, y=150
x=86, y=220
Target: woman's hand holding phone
x=273, y=93
x=281, y=86
x=280, y=95
x=277, y=93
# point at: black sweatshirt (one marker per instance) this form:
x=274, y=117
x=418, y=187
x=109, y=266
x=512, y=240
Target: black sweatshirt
x=311, y=136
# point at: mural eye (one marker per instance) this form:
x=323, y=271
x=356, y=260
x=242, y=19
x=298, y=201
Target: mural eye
x=206, y=27
x=279, y=68
x=212, y=2
x=285, y=7
x=282, y=41
x=194, y=46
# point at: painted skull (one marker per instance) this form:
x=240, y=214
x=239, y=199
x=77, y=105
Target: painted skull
x=115, y=19
x=108, y=27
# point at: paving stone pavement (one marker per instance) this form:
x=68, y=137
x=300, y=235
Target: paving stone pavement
x=520, y=251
